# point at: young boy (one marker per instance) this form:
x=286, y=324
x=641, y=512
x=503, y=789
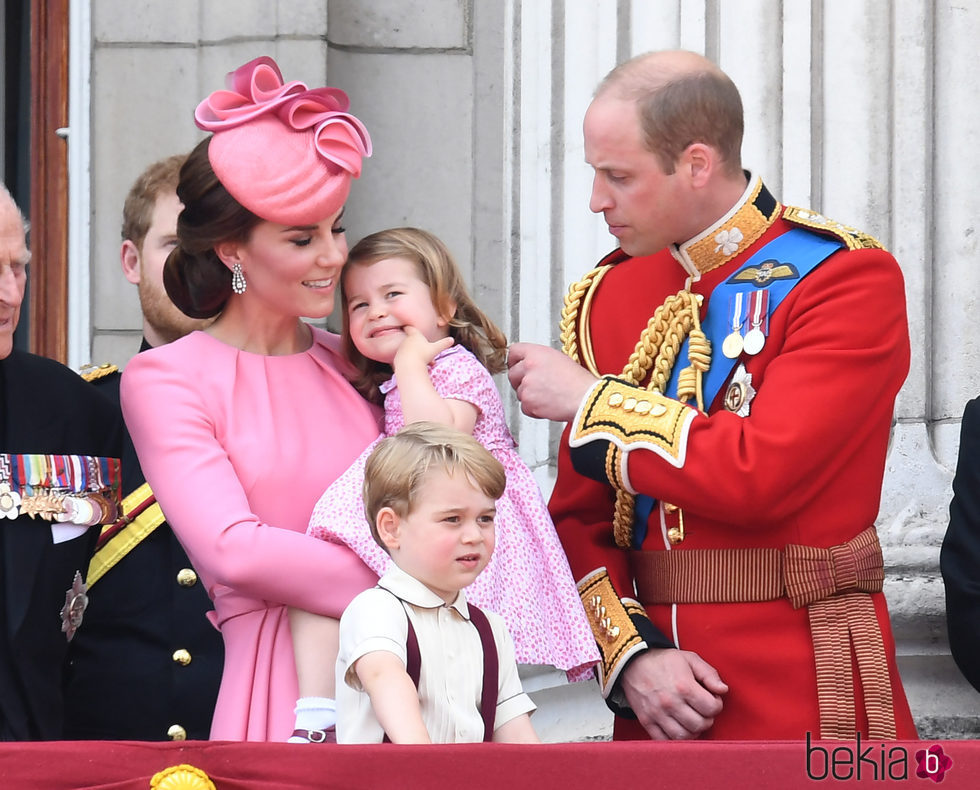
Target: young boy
x=429, y=497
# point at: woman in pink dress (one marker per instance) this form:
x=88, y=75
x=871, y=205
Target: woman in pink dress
x=237, y=426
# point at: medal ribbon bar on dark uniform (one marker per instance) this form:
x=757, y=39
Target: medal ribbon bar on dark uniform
x=81, y=489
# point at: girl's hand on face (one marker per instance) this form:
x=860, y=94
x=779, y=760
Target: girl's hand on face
x=416, y=347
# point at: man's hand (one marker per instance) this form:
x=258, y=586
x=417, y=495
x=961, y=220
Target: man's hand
x=675, y=694
x=548, y=383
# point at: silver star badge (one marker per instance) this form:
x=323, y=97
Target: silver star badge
x=75, y=602
x=740, y=392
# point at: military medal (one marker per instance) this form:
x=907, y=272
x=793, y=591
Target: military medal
x=740, y=392
x=755, y=338
x=9, y=496
x=79, y=489
x=76, y=602
x=731, y=346
x=754, y=341
x=9, y=501
x=77, y=510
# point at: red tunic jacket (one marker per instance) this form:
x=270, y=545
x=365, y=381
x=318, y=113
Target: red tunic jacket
x=804, y=466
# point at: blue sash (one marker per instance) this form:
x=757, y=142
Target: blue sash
x=797, y=253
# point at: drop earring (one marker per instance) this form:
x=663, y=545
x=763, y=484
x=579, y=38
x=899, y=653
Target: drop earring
x=237, y=279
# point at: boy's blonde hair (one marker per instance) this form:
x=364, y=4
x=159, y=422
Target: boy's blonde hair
x=469, y=326
x=397, y=468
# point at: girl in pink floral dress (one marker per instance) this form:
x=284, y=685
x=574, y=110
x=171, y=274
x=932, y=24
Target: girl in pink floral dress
x=424, y=349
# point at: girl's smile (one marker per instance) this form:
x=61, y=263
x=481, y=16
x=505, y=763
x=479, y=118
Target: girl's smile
x=382, y=299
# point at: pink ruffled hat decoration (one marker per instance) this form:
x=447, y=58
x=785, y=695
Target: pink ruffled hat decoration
x=286, y=153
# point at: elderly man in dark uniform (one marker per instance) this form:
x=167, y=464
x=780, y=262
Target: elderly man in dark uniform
x=60, y=441
x=148, y=664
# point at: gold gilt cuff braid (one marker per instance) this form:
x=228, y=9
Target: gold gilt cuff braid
x=612, y=625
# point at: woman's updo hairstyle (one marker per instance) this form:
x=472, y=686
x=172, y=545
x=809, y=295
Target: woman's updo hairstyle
x=195, y=278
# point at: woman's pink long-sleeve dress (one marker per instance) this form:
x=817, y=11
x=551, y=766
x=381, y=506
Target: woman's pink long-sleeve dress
x=238, y=448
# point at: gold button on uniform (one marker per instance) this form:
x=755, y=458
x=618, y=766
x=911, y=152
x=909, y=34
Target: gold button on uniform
x=186, y=577
x=182, y=657
x=177, y=733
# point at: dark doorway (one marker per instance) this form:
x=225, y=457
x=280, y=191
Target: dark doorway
x=16, y=122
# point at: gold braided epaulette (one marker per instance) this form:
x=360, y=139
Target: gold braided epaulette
x=613, y=628
x=93, y=372
x=852, y=237
x=576, y=340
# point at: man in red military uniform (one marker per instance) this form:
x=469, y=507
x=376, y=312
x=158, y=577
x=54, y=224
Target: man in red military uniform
x=729, y=413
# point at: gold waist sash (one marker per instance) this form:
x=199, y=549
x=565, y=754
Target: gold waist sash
x=834, y=584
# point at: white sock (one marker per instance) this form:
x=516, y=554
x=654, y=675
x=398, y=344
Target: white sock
x=313, y=713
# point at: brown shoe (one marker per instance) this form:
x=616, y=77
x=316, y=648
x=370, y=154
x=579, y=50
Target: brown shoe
x=328, y=735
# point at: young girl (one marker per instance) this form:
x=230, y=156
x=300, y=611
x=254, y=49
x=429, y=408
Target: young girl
x=427, y=352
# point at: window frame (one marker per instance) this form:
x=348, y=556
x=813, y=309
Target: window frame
x=49, y=178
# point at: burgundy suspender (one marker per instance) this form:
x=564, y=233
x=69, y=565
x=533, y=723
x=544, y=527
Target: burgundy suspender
x=488, y=697
x=491, y=675
x=413, y=659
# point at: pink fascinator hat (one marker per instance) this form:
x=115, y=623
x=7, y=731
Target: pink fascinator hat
x=286, y=153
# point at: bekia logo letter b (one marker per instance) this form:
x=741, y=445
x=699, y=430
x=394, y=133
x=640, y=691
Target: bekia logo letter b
x=932, y=763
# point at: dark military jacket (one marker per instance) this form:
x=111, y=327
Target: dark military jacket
x=44, y=408
x=148, y=662
x=959, y=559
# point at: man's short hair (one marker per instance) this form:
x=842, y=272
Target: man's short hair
x=158, y=178
x=680, y=107
x=396, y=470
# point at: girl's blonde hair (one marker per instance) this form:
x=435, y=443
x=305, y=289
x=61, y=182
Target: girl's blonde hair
x=469, y=327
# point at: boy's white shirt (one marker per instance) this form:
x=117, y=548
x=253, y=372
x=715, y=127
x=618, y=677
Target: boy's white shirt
x=451, y=676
